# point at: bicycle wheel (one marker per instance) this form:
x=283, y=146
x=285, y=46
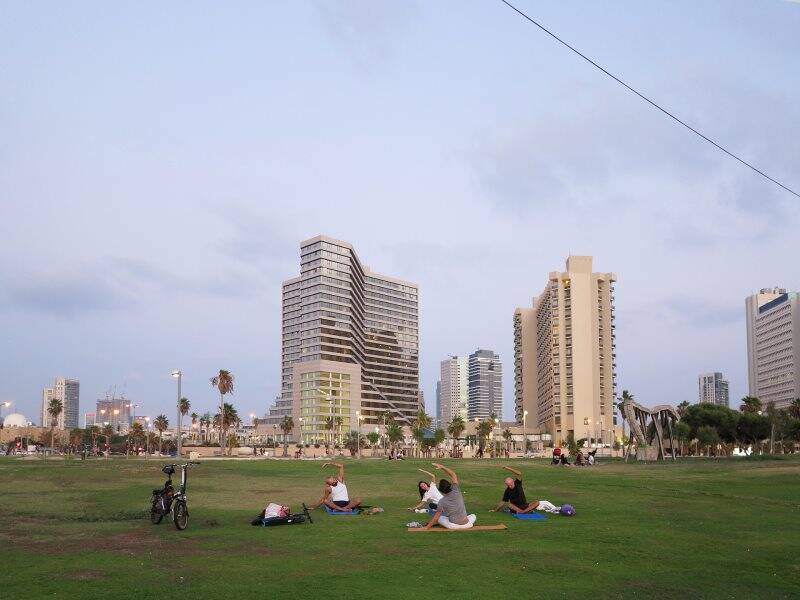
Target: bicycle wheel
x=155, y=514
x=180, y=516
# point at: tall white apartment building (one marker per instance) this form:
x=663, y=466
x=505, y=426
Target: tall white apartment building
x=773, y=346
x=713, y=389
x=350, y=343
x=68, y=391
x=485, y=385
x=454, y=390
x=575, y=353
x=525, y=388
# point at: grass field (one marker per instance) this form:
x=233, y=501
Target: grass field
x=698, y=529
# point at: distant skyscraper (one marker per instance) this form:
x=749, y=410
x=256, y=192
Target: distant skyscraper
x=454, y=373
x=485, y=385
x=574, y=339
x=713, y=389
x=68, y=391
x=115, y=412
x=773, y=346
x=350, y=342
x=525, y=385
x=439, y=401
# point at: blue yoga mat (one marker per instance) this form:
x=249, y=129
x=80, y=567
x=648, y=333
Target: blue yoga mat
x=530, y=516
x=330, y=511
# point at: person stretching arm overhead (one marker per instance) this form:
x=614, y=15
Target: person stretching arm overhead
x=450, y=512
x=514, y=495
x=428, y=492
x=335, y=494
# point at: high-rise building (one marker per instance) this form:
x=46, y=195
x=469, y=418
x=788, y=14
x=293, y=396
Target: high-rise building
x=350, y=343
x=485, y=376
x=773, y=346
x=454, y=373
x=114, y=411
x=525, y=389
x=713, y=389
x=439, y=401
x=68, y=391
x=575, y=353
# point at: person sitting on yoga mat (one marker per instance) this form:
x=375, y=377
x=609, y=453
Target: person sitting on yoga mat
x=335, y=495
x=514, y=495
x=450, y=512
x=429, y=494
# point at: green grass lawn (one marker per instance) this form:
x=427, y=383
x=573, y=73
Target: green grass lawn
x=697, y=529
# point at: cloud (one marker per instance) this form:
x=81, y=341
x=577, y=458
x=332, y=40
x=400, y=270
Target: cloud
x=366, y=31
x=66, y=296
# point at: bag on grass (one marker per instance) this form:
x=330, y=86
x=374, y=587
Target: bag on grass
x=276, y=510
x=568, y=510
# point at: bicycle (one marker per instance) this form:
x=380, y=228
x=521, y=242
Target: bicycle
x=167, y=500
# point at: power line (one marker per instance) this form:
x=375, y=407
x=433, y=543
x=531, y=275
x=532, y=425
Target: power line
x=648, y=100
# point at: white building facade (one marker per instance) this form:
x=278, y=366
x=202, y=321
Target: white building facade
x=454, y=390
x=773, y=346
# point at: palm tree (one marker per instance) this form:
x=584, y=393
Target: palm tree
x=286, y=427
x=136, y=433
x=373, y=437
x=624, y=399
x=507, y=438
x=439, y=437
x=94, y=433
x=75, y=439
x=329, y=425
x=205, y=424
x=455, y=429
x=484, y=430
x=194, y=416
x=108, y=431
x=54, y=410
x=183, y=409
x=223, y=381
x=161, y=423
x=681, y=408
x=421, y=423
x=394, y=433
x=794, y=408
x=338, y=421
x=230, y=418
x=750, y=405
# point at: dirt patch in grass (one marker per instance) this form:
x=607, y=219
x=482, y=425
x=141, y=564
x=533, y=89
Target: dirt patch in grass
x=139, y=542
x=88, y=575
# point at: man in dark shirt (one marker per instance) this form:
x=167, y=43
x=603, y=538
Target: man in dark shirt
x=514, y=495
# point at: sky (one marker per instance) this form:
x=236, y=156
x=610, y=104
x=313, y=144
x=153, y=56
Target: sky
x=160, y=164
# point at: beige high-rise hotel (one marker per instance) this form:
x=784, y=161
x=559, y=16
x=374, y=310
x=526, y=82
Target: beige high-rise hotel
x=564, y=355
x=773, y=346
x=350, y=343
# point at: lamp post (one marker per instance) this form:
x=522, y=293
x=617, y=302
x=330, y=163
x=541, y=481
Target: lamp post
x=330, y=404
x=147, y=437
x=7, y=404
x=588, y=422
x=130, y=425
x=524, y=435
x=178, y=375
x=358, y=433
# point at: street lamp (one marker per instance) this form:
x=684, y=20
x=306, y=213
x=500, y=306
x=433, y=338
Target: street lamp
x=7, y=404
x=587, y=421
x=330, y=404
x=147, y=437
x=524, y=436
x=358, y=433
x=178, y=375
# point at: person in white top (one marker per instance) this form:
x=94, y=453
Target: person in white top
x=335, y=495
x=429, y=494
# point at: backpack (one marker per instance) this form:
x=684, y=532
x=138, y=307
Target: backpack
x=568, y=510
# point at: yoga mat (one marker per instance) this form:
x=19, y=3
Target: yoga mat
x=330, y=511
x=474, y=528
x=530, y=516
